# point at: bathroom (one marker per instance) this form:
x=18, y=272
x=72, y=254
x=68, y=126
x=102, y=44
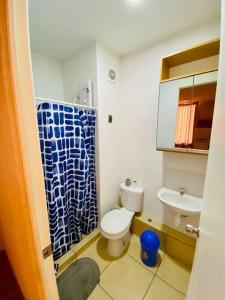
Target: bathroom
x=90, y=57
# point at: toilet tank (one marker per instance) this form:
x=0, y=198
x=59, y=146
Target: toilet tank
x=132, y=196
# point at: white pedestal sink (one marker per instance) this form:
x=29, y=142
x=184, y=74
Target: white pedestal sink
x=185, y=204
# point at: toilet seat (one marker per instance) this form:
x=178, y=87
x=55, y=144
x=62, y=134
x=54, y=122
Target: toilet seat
x=116, y=222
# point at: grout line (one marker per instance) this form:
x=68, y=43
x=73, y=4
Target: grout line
x=141, y=264
x=164, y=254
x=105, y=291
x=154, y=274
x=149, y=287
x=106, y=267
x=170, y=285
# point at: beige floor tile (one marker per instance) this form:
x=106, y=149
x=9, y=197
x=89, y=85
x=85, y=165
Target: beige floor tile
x=175, y=273
x=99, y=294
x=126, y=279
x=134, y=250
x=159, y=290
x=97, y=251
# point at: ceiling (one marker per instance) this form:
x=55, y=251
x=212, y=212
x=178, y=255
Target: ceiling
x=60, y=28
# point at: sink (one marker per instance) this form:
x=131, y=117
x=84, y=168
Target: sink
x=181, y=204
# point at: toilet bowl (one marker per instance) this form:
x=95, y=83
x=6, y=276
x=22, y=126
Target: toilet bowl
x=115, y=225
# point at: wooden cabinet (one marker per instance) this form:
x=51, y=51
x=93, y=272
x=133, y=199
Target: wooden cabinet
x=185, y=114
x=186, y=99
x=195, y=60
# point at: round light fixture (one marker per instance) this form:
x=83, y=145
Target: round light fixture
x=134, y=2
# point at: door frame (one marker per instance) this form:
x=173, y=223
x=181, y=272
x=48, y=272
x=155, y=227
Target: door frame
x=18, y=96
x=208, y=272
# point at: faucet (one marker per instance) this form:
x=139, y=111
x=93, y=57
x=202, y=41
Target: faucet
x=182, y=191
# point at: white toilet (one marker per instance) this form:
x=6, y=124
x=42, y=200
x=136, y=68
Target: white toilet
x=115, y=224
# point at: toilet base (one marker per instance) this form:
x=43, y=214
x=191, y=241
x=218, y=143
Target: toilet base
x=116, y=247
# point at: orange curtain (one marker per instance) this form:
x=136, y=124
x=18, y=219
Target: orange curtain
x=185, y=125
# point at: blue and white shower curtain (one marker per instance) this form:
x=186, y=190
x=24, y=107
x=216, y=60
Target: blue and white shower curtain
x=67, y=142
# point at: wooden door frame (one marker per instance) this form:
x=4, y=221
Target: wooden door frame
x=23, y=211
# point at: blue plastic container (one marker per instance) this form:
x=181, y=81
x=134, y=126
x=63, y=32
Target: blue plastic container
x=149, y=247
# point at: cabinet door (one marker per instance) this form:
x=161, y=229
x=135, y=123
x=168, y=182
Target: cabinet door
x=203, y=100
x=167, y=112
x=205, y=78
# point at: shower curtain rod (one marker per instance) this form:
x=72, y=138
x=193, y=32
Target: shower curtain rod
x=64, y=103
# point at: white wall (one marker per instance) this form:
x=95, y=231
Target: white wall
x=78, y=68
x=138, y=113
x=60, y=80
x=91, y=62
x=109, y=146
x=47, y=77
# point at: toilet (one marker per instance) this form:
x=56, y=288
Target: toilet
x=115, y=225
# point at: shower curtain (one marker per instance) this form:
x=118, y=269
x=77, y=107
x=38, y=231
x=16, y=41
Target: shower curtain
x=67, y=142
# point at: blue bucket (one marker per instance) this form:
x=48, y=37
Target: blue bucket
x=149, y=247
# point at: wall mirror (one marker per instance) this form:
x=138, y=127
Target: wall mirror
x=185, y=113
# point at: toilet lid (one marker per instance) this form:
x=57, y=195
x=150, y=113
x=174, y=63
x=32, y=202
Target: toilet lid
x=116, y=221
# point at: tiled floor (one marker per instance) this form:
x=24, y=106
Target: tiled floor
x=127, y=278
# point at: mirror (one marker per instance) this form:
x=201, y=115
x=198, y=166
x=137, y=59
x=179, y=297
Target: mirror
x=185, y=115
x=168, y=103
x=194, y=116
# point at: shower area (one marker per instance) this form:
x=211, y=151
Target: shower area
x=67, y=143
x=65, y=100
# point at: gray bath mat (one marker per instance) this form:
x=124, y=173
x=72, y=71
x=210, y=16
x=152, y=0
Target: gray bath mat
x=79, y=280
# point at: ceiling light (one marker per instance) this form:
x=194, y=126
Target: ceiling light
x=134, y=2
